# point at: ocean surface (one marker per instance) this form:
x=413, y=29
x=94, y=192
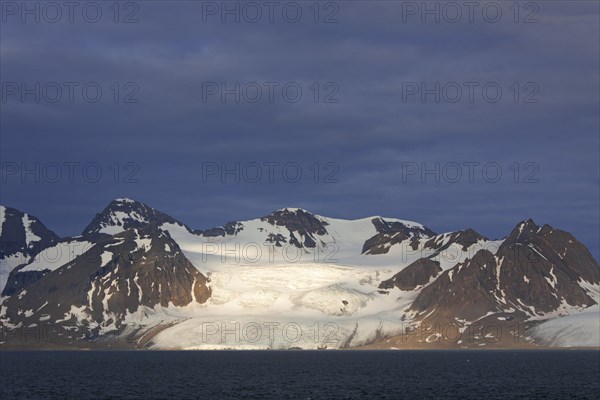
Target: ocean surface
x=300, y=375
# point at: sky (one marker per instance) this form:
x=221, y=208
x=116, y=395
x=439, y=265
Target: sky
x=219, y=111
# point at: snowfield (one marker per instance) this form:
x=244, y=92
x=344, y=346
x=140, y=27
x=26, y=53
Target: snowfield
x=325, y=297
x=576, y=330
x=272, y=292
x=9, y=263
x=283, y=306
x=58, y=255
x=277, y=332
x=342, y=246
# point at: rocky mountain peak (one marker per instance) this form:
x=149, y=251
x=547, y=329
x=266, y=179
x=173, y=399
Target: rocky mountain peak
x=464, y=238
x=391, y=232
x=230, y=228
x=22, y=236
x=524, y=229
x=123, y=213
x=535, y=272
x=22, y=233
x=297, y=220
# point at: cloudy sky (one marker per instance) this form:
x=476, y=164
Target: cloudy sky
x=214, y=111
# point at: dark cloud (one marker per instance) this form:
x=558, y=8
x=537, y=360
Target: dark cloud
x=370, y=54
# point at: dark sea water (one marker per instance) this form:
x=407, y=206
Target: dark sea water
x=300, y=375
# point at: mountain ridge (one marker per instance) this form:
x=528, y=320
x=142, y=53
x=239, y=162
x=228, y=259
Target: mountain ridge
x=371, y=276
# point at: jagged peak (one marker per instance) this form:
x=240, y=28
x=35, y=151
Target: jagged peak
x=524, y=228
x=22, y=233
x=124, y=213
x=300, y=221
x=387, y=225
x=125, y=200
x=527, y=224
x=286, y=211
x=293, y=213
x=467, y=234
x=292, y=210
x=122, y=201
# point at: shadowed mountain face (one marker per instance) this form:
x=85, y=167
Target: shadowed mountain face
x=465, y=239
x=537, y=270
x=390, y=233
x=417, y=274
x=129, y=266
x=22, y=236
x=21, y=233
x=117, y=276
x=119, y=215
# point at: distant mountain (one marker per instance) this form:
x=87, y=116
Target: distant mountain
x=118, y=216
x=537, y=270
x=21, y=237
x=370, y=281
x=296, y=231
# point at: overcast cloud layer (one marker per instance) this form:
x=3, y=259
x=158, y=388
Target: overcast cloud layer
x=367, y=144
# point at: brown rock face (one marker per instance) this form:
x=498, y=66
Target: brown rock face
x=466, y=291
x=301, y=222
x=390, y=233
x=536, y=270
x=419, y=273
x=381, y=243
x=543, y=267
x=156, y=274
x=139, y=267
x=464, y=238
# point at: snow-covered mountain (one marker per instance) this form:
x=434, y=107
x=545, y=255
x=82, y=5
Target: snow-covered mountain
x=122, y=214
x=296, y=279
x=116, y=277
x=21, y=237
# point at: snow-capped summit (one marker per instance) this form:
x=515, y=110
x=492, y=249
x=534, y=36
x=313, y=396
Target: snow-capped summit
x=122, y=214
x=292, y=210
x=305, y=229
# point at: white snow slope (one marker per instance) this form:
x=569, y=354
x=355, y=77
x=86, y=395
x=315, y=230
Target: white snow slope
x=265, y=296
x=577, y=330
